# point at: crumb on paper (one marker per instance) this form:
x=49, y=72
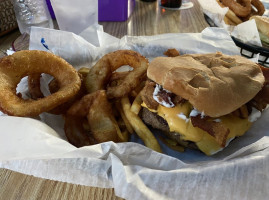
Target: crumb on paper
x=10, y=52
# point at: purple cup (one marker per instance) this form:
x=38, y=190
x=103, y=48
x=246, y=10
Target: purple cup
x=115, y=10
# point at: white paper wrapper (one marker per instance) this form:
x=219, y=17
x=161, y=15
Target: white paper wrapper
x=39, y=147
x=251, y=34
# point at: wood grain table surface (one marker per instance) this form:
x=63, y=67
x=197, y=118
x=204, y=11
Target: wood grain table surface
x=147, y=19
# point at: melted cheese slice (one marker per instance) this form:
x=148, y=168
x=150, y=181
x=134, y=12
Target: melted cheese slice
x=204, y=141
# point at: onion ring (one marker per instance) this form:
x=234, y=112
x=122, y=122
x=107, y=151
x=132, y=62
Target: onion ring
x=241, y=9
x=256, y=9
x=53, y=86
x=100, y=73
x=75, y=133
x=34, y=86
x=259, y=6
x=27, y=62
x=62, y=109
x=102, y=124
x=36, y=93
x=230, y=17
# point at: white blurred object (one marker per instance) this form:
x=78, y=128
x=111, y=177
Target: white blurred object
x=10, y=52
x=32, y=13
x=75, y=16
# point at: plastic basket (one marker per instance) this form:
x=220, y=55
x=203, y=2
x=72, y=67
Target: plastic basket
x=247, y=50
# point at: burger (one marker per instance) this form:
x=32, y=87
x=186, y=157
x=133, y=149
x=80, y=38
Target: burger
x=262, y=23
x=204, y=101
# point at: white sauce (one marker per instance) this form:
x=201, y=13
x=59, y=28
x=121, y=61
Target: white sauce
x=157, y=89
x=255, y=114
x=195, y=112
x=217, y=120
x=184, y=117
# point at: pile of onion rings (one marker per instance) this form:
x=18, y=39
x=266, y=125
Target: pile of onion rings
x=241, y=10
x=98, y=104
x=103, y=113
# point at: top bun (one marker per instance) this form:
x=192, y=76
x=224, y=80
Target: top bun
x=215, y=84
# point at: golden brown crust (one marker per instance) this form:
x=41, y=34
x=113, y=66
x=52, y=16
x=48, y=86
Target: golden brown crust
x=100, y=73
x=259, y=7
x=215, y=84
x=241, y=9
x=230, y=17
x=27, y=62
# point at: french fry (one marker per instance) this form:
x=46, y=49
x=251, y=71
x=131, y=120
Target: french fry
x=124, y=118
x=123, y=128
x=136, y=105
x=121, y=123
x=125, y=135
x=84, y=71
x=140, y=128
x=172, y=144
x=176, y=148
x=122, y=135
x=232, y=16
x=228, y=21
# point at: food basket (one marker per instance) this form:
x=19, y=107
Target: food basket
x=40, y=148
x=247, y=50
x=8, y=20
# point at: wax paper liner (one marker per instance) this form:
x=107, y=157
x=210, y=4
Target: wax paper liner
x=38, y=146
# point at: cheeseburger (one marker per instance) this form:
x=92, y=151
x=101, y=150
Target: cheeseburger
x=203, y=101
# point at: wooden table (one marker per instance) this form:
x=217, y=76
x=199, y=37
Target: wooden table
x=147, y=19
